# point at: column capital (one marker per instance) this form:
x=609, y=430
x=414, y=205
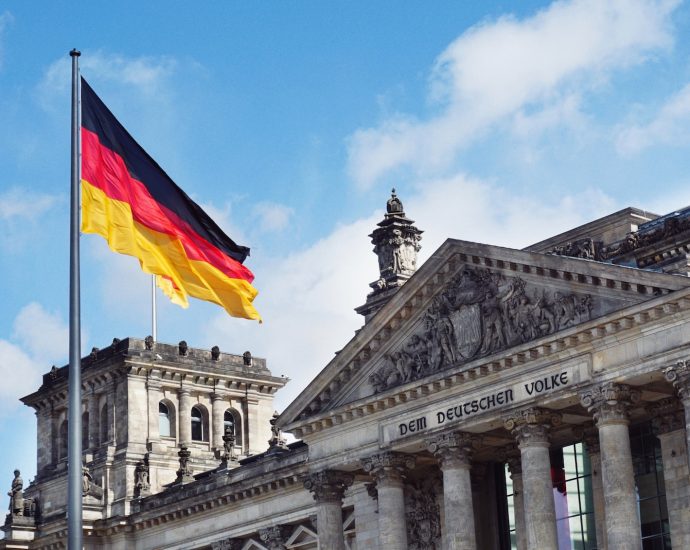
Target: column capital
x=530, y=426
x=609, y=402
x=453, y=449
x=328, y=485
x=679, y=376
x=273, y=537
x=217, y=396
x=388, y=466
x=668, y=415
x=183, y=390
x=511, y=456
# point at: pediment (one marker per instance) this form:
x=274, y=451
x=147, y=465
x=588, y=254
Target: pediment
x=470, y=302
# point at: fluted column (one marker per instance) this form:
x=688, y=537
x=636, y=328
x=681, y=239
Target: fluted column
x=531, y=429
x=515, y=468
x=153, y=388
x=679, y=376
x=669, y=426
x=218, y=406
x=328, y=488
x=389, y=470
x=185, y=416
x=591, y=439
x=609, y=404
x=454, y=453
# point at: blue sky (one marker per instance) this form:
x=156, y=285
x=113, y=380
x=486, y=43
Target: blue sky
x=500, y=122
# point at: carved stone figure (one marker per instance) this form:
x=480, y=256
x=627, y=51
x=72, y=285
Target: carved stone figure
x=184, y=472
x=182, y=348
x=17, y=495
x=277, y=443
x=148, y=342
x=215, y=353
x=142, y=485
x=247, y=358
x=479, y=313
x=423, y=515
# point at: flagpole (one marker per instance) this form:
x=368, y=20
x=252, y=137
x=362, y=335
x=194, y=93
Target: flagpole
x=153, y=308
x=74, y=458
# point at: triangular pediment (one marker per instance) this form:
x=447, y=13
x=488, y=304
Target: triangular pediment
x=471, y=302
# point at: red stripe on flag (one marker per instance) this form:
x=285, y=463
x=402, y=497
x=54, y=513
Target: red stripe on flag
x=106, y=170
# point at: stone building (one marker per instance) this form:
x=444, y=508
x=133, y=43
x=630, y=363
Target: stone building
x=493, y=399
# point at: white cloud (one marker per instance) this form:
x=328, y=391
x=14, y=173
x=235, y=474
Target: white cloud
x=272, y=217
x=670, y=126
x=148, y=74
x=21, y=211
x=39, y=339
x=307, y=298
x=502, y=69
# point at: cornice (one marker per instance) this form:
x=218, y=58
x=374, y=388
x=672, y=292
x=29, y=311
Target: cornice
x=578, y=340
x=597, y=278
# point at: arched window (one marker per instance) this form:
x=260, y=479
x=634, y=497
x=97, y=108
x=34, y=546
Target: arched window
x=84, y=431
x=62, y=437
x=104, y=424
x=197, y=424
x=232, y=418
x=164, y=423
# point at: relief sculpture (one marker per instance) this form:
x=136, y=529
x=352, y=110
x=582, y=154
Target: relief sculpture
x=477, y=314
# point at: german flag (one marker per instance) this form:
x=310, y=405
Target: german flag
x=131, y=202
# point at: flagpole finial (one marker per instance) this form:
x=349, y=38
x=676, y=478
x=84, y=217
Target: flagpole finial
x=74, y=52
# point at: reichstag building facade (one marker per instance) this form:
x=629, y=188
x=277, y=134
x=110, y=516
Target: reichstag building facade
x=493, y=399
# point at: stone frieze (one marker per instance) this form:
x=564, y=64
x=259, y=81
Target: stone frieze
x=479, y=313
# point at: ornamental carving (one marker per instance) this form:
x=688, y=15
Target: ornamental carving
x=609, y=402
x=586, y=249
x=668, y=415
x=227, y=544
x=679, y=376
x=454, y=449
x=388, y=466
x=531, y=426
x=185, y=471
x=423, y=515
x=479, y=313
x=328, y=485
x=273, y=537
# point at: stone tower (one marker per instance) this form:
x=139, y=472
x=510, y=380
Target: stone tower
x=147, y=408
x=396, y=243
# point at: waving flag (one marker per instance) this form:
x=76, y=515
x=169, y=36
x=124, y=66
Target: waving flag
x=132, y=203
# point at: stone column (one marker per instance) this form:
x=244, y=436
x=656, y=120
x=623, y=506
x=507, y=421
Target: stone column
x=153, y=389
x=328, y=488
x=609, y=404
x=389, y=469
x=218, y=406
x=531, y=429
x=591, y=439
x=184, y=417
x=45, y=437
x=110, y=399
x=669, y=425
x=515, y=469
x=679, y=376
x=94, y=419
x=454, y=453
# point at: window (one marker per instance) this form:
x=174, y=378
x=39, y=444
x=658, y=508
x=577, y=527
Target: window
x=104, y=424
x=84, y=431
x=62, y=437
x=231, y=419
x=649, y=484
x=164, y=421
x=197, y=424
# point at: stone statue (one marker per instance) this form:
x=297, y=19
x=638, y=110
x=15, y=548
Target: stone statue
x=142, y=484
x=247, y=358
x=182, y=348
x=184, y=472
x=16, y=495
x=215, y=353
x=148, y=342
x=277, y=443
x=478, y=313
